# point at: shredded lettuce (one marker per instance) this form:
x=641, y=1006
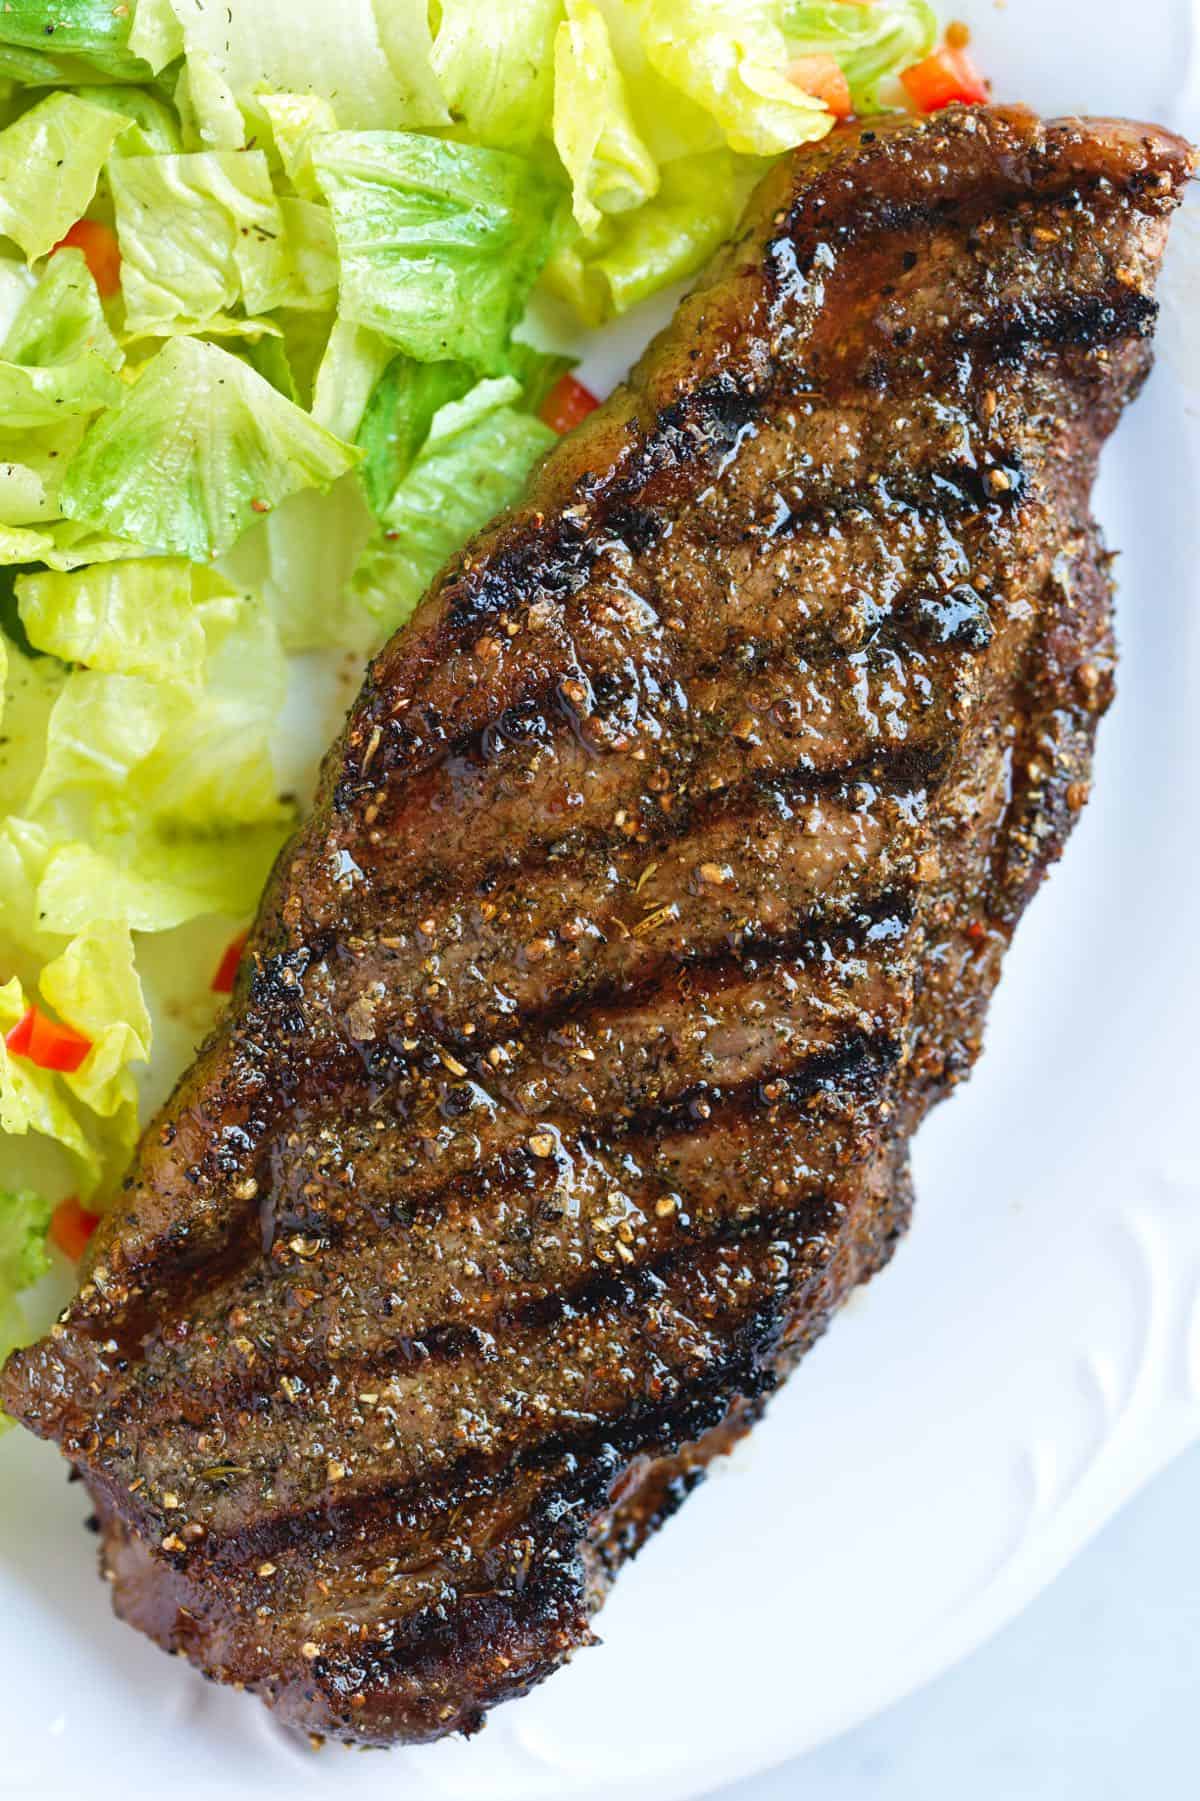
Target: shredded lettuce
x=197, y=450
x=199, y=233
x=89, y=38
x=495, y=64
x=50, y=162
x=59, y=358
x=24, y=1260
x=398, y=418
x=730, y=57
x=611, y=169
x=870, y=42
x=439, y=243
x=475, y=459
x=372, y=61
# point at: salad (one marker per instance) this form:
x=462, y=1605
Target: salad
x=280, y=292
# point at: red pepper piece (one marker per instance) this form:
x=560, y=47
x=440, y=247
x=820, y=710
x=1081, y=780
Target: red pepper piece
x=946, y=76
x=101, y=252
x=567, y=404
x=227, y=968
x=47, y=1042
x=71, y=1226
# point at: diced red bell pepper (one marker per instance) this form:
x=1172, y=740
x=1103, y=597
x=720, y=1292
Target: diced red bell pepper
x=101, y=252
x=71, y=1227
x=946, y=76
x=47, y=1042
x=227, y=968
x=567, y=405
x=824, y=78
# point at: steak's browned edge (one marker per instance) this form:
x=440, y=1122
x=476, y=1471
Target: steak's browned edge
x=655, y=890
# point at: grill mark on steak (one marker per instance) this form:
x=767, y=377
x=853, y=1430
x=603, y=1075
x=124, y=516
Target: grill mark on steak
x=853, y=479
x=616, y=1290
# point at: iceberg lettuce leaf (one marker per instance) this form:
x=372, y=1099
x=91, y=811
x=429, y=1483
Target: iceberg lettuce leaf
x=665, y=241
x=198, y=450
x=59, y=356
x=870, y=42
x=495, y=64
x=295, y=121
x=397, y=421
x=155, y=34
x=372, y=60
x=93, y=34
x=93, y=985
x=199, y=233
x=50, y=162
x=123, y=618
x=35, y=1100
x=213, y=767
x=297, y=563
x=353, y=361
x=62, y=319
x=731, y=58
x=475, y=460
x=439, y=242
x=611, y=169
x=157, y=881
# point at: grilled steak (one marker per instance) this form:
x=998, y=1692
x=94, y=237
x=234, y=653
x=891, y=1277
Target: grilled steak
x=654, y=892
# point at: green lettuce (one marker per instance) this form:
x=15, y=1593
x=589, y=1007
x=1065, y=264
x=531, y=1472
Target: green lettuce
x=172, y=878
x=136, y=618
x=197, y=450
x=870, y=42
x=199, y=234
x=33, y=468
x=296, y=121
x=209, y=115
x=89, y=38
x=50, y=162
x=495, y=64
x=24, y=1260
x=665, y=241
x=93, y=986
x=37, y=1100
x=59, y=357
x=397, y=420
x=371, y=61
x=439, y=242
x=152, y=127
x=352, y=363
x=730, y=57
x=123, y=751
x=476, y=459
x=141, y=787
x=155, y=34
x=611, y=169
x=298, y=562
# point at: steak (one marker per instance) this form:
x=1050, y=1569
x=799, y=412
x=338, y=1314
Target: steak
x=654, y=892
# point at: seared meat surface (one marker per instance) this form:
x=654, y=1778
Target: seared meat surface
x=655, y=890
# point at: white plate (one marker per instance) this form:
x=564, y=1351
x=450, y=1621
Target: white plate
x=1031, y=1358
